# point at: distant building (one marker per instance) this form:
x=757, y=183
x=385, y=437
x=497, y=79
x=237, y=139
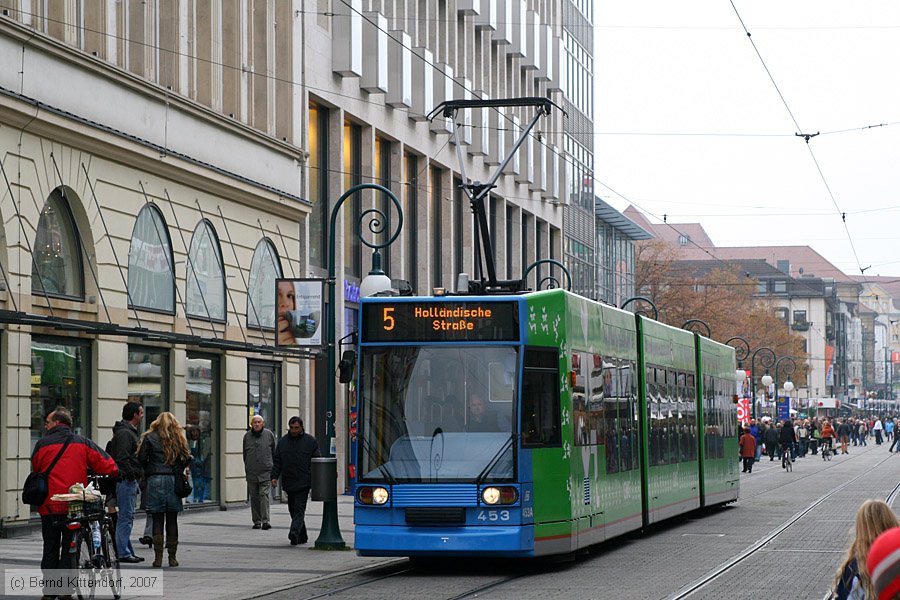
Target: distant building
x=616, y=235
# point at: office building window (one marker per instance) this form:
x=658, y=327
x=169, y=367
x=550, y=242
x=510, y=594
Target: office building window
x=436, y=241
x=411, y=221
x=318, y=184
x=353, y=206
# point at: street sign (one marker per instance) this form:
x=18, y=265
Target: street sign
x=784, y=408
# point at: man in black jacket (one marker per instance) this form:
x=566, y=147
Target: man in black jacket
x=770, y=437
x=123, y=448
x=293, y=464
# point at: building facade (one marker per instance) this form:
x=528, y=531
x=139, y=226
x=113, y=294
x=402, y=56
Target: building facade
x=616, y=235
x=196, y=156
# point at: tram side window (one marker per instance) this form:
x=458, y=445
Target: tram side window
x=540, y=399
x=596, y=393
x=610, y=400
x=707, y=415
x=580, y=400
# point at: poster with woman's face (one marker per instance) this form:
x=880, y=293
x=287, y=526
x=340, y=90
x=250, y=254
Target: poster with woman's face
x=298, y=312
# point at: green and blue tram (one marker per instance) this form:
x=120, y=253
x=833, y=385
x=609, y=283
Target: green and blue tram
x=532, y=424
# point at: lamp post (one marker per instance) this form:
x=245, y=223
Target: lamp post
x=642, y=299
x=766, y=360
x=330, y=534
x=741, y=352
x=788, y=384
x=692, y=324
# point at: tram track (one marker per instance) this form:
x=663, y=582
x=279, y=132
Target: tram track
x=725, y=567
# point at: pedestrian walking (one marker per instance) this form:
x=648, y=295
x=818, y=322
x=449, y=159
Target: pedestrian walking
x=164, y=456
x=863, y=433
x=803, y=435
x=123, y=449
x=883, y=566
x=852, y=581
x=757, y=435
x=843, y=432
x=259, y=451
x=771, y=440
x=67, y=456
x=293, y=464
x=878, y=428
x=747, y=445
x=894, y=437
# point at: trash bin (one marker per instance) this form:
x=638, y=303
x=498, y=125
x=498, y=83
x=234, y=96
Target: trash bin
x=324, y=479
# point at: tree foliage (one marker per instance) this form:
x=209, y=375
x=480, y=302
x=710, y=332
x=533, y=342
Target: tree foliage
x=720, y=295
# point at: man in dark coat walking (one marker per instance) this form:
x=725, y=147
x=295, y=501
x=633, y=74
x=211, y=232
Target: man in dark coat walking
x=123, y=449
x=293, y=464
x=770, y=437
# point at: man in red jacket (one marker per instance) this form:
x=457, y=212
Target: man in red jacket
x=747, y=444
x=72, y=467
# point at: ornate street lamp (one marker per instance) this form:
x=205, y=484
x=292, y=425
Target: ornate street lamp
x=692, y=324
x=767, y=359
x=642, y=299
x=330, y=534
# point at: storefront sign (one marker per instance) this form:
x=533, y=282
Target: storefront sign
x=299, y=311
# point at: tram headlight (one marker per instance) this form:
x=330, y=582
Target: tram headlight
x=380, y=496
x=373, y=495
x=499, y=495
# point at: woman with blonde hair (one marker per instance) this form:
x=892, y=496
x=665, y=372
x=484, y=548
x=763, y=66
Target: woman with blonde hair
x=852, y=580
x=164, y=454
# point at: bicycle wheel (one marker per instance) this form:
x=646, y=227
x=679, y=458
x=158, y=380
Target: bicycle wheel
x=111, y=573
x=84, y=565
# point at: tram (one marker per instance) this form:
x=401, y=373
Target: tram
x=530, y=425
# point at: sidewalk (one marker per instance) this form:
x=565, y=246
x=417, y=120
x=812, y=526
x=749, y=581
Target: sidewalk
x=222, y=557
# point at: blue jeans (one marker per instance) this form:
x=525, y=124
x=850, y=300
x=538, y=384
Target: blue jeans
x=126, y=494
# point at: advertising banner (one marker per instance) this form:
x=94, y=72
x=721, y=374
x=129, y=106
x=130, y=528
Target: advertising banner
x=743, y=410
x=829, y=365
x=299, y=307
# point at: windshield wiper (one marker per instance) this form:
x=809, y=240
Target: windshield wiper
x=495, y=459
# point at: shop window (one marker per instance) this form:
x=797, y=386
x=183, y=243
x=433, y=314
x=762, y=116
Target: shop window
x=151, y=281
x=264, y=389
x=148, y=381
x=265, y=268
x=56, y=268
x=60, y=376
x=205, y=297
x=201, y=426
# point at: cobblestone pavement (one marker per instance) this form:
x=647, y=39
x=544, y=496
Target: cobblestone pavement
x=222, y=557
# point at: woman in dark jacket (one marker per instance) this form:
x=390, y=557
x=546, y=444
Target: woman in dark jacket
x=164, y=455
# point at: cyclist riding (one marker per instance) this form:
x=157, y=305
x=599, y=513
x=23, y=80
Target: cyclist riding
x=786, y=439
x=827, y=438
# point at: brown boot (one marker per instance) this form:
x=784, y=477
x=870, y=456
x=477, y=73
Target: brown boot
x=157, y=550
x=172, y=547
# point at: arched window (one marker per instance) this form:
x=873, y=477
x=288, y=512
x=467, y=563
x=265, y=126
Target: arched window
x=56, y=267
x=265, y=268
x=205, y=296
x=151, y=282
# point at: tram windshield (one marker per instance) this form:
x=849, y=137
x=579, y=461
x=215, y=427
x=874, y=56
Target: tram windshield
x=437, y=413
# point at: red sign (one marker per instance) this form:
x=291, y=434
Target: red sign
x=743, y=410
x=895, y=358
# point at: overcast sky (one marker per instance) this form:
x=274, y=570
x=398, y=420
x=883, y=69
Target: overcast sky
x=689, y=124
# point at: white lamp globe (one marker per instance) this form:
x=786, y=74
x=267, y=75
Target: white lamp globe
x=766, y=380
x=789, y=386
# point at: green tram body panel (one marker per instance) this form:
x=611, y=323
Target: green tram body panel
x=600, y=483
x=670, y=409
x=720, y=477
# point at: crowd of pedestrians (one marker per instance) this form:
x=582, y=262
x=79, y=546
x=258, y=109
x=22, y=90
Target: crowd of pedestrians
x=800, y=437
x=155, y=464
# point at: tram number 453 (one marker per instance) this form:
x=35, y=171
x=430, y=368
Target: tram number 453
x=493, y=515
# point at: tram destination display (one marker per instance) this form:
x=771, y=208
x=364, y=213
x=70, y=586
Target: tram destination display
x=440, y=322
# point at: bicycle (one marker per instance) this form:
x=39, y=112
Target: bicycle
x=827, y=449
x=786, y=463
x=93, y=543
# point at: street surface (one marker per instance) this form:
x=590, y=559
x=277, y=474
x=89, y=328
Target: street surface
x=222, y=557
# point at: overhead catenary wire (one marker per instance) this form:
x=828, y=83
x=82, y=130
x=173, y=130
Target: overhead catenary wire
x=800, y=133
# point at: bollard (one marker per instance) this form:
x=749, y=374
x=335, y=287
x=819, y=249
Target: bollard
x=324, y=479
